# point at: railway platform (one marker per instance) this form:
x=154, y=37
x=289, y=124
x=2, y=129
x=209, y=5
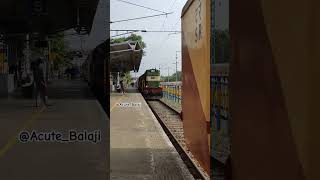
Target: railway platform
x=140, y=149
x=73, y=108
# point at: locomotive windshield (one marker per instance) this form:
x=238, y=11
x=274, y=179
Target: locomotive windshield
x=153, y=78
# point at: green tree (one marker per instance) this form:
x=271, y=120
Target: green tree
x=58, y=50
x=172, y=78
x=127, y=78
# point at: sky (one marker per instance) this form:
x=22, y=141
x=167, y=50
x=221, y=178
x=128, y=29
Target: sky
x=161, y=47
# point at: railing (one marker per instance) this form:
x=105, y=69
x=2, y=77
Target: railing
x=220, y=95
x=220, y=114
x=172, y=91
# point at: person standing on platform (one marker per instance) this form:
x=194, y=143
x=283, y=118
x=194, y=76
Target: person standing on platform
x=39, y=80
x=122, y=86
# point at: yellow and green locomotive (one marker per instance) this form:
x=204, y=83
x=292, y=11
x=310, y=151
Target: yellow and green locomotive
x=149, y=84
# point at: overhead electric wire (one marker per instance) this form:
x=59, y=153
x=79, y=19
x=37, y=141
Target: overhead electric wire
x=167, y=37
x=174, y=27
x=136, y=30
x=141, y=6
x=164, y=22
x=173, y=4
x=165, y=31
x=133, y=31
x=166, y=16
x=140, y=18
x=75, y=34
x=176, y=23
x=123, y=34
x=171, y=32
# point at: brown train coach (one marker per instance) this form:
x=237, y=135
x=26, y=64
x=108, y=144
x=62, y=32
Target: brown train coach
x=274, y=87
x=196, y=24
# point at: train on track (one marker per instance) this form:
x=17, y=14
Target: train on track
x=196, y=54
x=95, y=71
x=149, y=84
x=267, y=126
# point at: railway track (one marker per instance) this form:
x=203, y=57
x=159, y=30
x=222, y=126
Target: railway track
x=171, y=123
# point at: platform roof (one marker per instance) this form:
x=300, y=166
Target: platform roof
x=125, y=56
x=18, y=16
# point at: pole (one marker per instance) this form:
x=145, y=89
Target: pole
x=176, y=67
x=168, y=74
x=81, y=43
x=160, y=71
x=134, y=70
x=27, y=63
x=118, y=82
x=135, y=73
x=48, y=61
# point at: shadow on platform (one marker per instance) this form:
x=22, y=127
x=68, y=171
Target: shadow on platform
x=74, y=108
x=59, y=89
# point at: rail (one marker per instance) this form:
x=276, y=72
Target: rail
x=173, y=130
x=220, y=114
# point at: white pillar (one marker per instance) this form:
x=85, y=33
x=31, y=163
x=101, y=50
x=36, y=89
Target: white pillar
x=27, y=62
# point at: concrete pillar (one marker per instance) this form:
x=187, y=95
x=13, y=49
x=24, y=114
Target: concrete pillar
x=27, y=54
x=118, y=78
x=6, y=84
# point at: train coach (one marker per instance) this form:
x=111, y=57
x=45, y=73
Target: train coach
x=196, y=39
x=95, y=71
x=269, y=123
x=149, y=84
